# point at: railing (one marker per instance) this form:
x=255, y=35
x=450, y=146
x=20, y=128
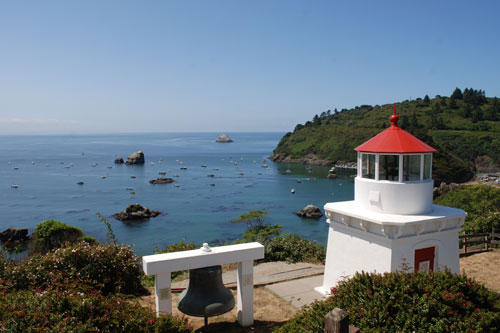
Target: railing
x=472, y=243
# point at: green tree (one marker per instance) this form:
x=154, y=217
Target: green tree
x=436, y=108
x=457, y=94
x=453, y=104
x=477, y=114
x=414, y=122
x=491, y=113
x=254, y=217
x=405, y=122
x=427, y=100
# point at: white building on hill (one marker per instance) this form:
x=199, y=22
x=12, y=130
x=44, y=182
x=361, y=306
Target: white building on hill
x=391, y=224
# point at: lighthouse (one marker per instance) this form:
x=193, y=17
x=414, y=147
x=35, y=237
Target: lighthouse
x=392, y=223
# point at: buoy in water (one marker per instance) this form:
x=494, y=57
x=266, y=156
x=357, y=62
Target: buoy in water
x=292, y=191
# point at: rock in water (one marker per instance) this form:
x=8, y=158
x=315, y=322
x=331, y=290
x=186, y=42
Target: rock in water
x=119, y=160
x=13, y=234
x=161, y=180
x=310, y=212
x=136, y=212
x=136, y=158
x=223, y=138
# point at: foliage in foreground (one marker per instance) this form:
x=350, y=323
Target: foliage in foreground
x=109, y=268
x=75, y=289
x=70, y=311
x=482, y=204
x=405, y=302
x=279, y=246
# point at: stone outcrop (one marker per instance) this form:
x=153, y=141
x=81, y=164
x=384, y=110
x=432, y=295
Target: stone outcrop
x=223, y=138
x=308, y=159
x=161, y=180
x=310, y=212
x=13, y=234
x=136, y=158
x=136, y=212
x=119, y=160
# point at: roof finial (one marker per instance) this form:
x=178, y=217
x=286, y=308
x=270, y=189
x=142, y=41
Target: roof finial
x=394, y=118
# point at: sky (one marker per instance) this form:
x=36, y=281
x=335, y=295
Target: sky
x=77, y=67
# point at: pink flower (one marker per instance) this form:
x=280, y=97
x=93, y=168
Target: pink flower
x=334, y=290
x=427, y=294
x=447, y=295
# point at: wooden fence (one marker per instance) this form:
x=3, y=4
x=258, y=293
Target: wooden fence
x=472, y=243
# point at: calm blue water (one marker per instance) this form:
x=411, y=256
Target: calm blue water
x=195, y=211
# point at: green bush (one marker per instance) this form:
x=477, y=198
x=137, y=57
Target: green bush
x=293, y=248
x=87, y=239
x=70, y=311
x=481, y=202
x=108, y=268
x=261, y=233
x=405, y=302
x=51, y=234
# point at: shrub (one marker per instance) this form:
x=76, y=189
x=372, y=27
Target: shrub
x=293, y=248
x=69, y=311
x=261, y=233
x=405, y=302
x=481, y=202
x=108, y=268
x=51, y=234
x=87, y=239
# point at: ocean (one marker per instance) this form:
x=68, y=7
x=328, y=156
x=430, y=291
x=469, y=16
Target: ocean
x=47, y=169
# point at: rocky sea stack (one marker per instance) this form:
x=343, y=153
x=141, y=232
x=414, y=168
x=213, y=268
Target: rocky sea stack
x=119, y=160
x=223, y=138
x=13, y=234
x=310, y=212
x=136, y=158
x=161, y=180
x=136, y=212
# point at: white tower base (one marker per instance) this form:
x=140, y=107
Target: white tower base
x=362, y=240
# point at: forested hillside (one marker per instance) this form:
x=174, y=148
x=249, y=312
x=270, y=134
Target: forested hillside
x=464, y=128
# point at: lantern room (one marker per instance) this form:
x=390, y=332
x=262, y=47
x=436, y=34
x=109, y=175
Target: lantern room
x=394, y=172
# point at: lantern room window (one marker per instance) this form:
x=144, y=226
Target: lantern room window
x=411, y=168
x=368, y=163
x=427, y=166
x=389, y=167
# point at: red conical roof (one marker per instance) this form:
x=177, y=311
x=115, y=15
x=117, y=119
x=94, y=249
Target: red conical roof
x=394, y=140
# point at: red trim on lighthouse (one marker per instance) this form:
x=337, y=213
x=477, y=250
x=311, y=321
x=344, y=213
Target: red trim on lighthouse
x=394, y=140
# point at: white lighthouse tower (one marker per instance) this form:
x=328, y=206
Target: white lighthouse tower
x=391, y=224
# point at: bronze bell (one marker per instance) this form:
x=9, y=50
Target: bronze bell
x=206, y=295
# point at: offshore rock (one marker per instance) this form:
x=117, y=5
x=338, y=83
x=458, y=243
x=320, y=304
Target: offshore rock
x=119, y=160
x=161, y=180
x=136, y=158
x=223, y=138
x=13, y=234
x=136, y=212
x=310, y=212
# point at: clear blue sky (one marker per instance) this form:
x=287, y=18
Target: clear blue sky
x=175, y=66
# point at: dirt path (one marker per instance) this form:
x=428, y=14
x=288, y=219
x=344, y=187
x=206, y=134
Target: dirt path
x=270, y=311
x=483, y=267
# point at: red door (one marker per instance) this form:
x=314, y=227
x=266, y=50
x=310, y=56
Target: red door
x=424, y=259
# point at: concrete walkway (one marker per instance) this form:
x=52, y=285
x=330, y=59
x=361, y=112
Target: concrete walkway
x=294, y=283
